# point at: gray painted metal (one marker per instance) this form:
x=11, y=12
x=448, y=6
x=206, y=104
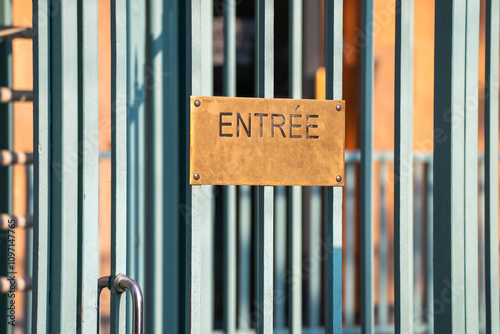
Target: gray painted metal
x=230, y=192
x=88, y=178
x=403, y=168
x=64, y=172
x=119, y=103
x=491, y=166
x=333, y=196
x=41, y=140
x=471, y=167
x=449, y=148
x=295, y=193
x=265, y=217
x=136, y=146
x=367, y=93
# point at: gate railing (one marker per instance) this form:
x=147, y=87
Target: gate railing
x=168, y=240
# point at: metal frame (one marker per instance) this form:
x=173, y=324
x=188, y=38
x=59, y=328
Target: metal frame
x=163, y=226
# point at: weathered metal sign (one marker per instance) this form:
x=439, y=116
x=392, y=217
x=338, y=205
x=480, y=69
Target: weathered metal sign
x=246, y=141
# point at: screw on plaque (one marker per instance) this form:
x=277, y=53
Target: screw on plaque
x=197, y=103
x=339, y=178
x=196, y=176
x=339, y=107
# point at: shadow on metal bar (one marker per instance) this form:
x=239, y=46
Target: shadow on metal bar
x=121, y=284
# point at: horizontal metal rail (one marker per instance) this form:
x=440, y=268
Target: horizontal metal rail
x=8, y=32
x=25, y=221
x=11, y=95
x=17, y=284
x=353, y=156
x=8, y=158
x=388, y=156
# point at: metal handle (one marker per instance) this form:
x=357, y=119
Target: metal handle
x=121, y=284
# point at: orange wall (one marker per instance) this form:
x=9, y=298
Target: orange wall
x=23, y=140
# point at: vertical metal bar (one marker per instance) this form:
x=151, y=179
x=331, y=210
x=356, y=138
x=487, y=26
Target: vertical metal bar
x=6, y=142
x=136, y=148
x=418, y=198
x=295, y=38
x=350, y=266
x=156, y=173
x=244, y=256
x=6, y=116
x=403, y=168
x=198, y=202
x=471, y=167
x=295, y=259
x=265, y=48
x=64, y=166
x=118, y=158
x=314, y=271
x=383, y=258
x=230, y=265
x=170, y=315
x=295, y=193
x=230, y=48
x=41, y=132
x=163, y=284
x=315, y=256
x=333, y=196
x=230, y=230
x=280, y=246
x=265, y=84
x=491, y=166
x=367, y=87
x=265, y=290
x=449, y=76
x=136, y=16
x=333, y=263
x=207, y=230
x=429, y=269
x=230, y=204
x=88, y=183
x=482, y=302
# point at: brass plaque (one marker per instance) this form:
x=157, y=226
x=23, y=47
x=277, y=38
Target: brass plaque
x=275, y=142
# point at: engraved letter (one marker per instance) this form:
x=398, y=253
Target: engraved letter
x=261, y=121
x=224, y=124
x=292, y=116
x=311, y=126
x=247, y=130
x=280, y=126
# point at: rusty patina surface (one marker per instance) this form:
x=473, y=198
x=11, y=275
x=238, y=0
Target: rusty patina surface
x=248, y=141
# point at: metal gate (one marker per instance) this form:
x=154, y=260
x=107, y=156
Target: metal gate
x=164, y=232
